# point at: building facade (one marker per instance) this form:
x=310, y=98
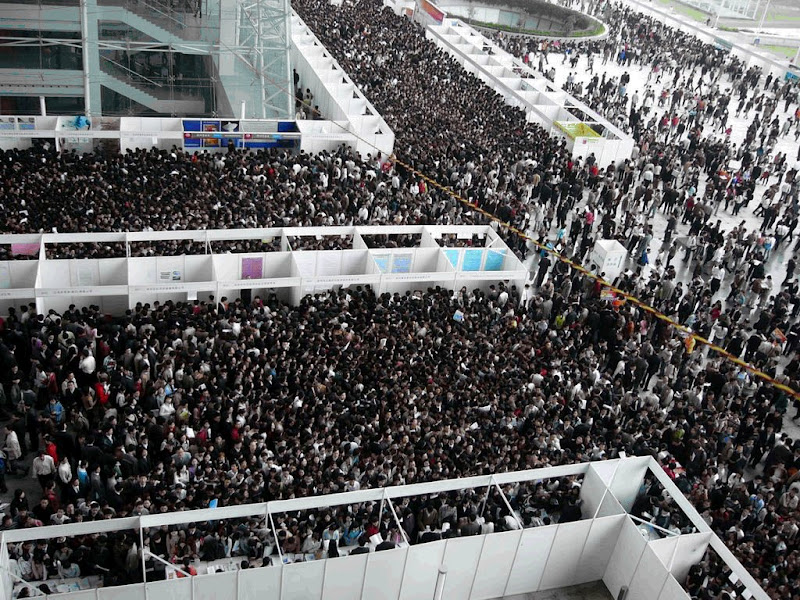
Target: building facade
x=146, y=58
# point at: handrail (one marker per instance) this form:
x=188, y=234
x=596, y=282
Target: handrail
x=142, y=8
x=123, y=67
x=167, y=15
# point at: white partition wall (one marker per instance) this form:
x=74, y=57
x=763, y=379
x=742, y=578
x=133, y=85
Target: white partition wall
x=524, y=88
x=607, y=548
x=351, y=117
x=117, y=284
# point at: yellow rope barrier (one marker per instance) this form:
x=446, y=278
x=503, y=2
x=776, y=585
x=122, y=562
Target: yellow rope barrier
x=581, y=269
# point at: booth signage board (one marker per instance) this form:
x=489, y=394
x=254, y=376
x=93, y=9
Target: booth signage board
x=212, y=133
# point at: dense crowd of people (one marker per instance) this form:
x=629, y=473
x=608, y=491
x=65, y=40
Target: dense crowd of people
x=171, y=407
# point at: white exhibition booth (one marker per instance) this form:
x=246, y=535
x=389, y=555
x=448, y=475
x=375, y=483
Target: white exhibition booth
x=350, y=117
x=606, y=545
x=524, y=88
x=347, y=118
x=609, y=256
x=116, y=284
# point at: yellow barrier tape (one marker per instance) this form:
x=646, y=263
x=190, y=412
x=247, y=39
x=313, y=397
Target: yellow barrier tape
x=581, y=269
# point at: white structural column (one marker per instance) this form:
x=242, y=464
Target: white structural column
x=91, y=58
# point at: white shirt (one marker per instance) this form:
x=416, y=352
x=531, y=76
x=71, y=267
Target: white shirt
x=88, y=364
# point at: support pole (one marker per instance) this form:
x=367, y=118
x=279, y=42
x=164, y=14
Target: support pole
x=397, y=520
x=440, y=581
x=764, y=16
x=42, y=106
x=141, y=552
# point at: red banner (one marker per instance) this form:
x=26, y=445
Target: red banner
x=432, y=11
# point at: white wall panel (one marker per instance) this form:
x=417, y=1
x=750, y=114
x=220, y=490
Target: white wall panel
x=213, y=586
x=628, y=479
x=113, y=271
x=691, y=549
x=83, y=595
x=257, y=584
x=600, y=544
x=84, y=273
x=495, y=564
x=277, y=264
x=610, y=506
x=141, y=270
x=625, y=557
x=302, y=581
x=665, y=549
x=673, y=590
x=606, y=470
x=649, y=577
x=123, y=592
x=198, y=268
x=55, y=274
x=531, y=559
x=343, y=578
x=354, y=262
x=461, y=557
x=172, y=589
x=422, y=570
x=384, y=574
x=226, y=266
x=565, y=554
x=592, y=491
x=305, y=264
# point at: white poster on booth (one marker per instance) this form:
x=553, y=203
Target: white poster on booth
x=5, y=276
x=85, y=276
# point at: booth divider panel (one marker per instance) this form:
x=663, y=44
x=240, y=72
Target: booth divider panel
x=461, y=557
x=495, y=564
x=301, y=581
x=600, y=544
x=212, y=586
x=649, y=577
x=384, y=574
x=628, y=480
x=625, y=557
x=305, y=264
x=691, y=549
x=534, y=550
x=610, y=506
x=605, y=469
x=82, y=595
x=257, y=584
x=665, y=549
x=343, y=578
x=123, y=592
x=565, y=554
x=592, y=491
x=171, y=589
x=113, y=271
x=673, y=590
x=329, y=263
x=421, y=572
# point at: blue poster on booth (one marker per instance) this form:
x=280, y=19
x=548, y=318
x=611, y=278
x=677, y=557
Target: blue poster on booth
x=401, y=263
x=382, y=261
x=452, y=256
x=494, y=260
x=472, y=260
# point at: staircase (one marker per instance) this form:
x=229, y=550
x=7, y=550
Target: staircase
x=167, y=27
x=148, y=93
